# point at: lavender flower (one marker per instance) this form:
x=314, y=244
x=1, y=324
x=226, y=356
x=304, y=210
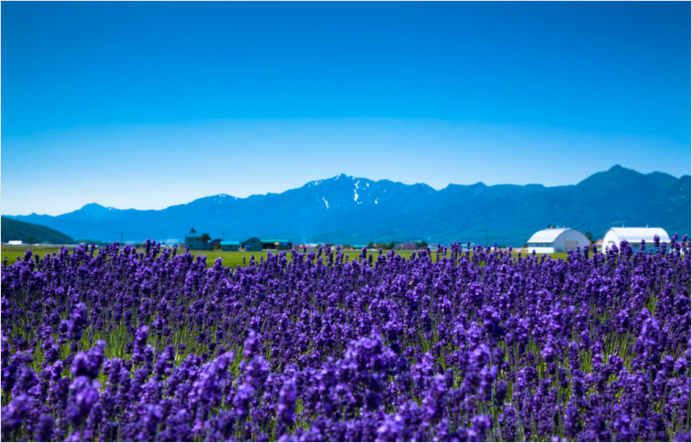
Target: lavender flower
x=459, y=344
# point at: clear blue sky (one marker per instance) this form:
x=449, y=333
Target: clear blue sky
x=146, y=105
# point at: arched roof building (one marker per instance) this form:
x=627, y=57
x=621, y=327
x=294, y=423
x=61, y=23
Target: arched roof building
x=552, y=240
x=634, y=237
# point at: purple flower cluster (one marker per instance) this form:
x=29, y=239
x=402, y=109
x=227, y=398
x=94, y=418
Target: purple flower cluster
x=457, y=344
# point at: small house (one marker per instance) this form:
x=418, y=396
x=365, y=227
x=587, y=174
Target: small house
x=253, y=244
x=194, y=241
x=278, y=244
x=406, y=246
x=599, y=244
x=230, y=245
x=14, y=242
x=216, y=243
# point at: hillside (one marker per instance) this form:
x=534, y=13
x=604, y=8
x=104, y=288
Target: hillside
x=354, y=210
x=29, y=232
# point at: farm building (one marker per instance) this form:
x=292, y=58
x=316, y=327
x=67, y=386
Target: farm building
x=552, y=240
x=216, y=243
x=282, y=245
x=634, y=237
x=194, y=241
x=406, y=246
x=230, y=245
x=253, y=244
x=14, y=242
x=599, y=244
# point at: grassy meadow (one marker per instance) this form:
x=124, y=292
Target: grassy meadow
x=12, y=253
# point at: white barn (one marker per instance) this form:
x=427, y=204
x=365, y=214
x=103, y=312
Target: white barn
x=634, y=237
x=552, y=240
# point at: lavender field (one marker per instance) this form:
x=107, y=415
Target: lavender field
x=457, y=344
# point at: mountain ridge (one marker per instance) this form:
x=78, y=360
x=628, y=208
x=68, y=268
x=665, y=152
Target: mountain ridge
x=355, y=210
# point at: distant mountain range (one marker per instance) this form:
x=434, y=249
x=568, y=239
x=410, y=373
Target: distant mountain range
x=31, y=233
x=352, y=210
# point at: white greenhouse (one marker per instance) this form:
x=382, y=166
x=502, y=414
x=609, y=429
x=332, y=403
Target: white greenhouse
x=552, y=240
x=634, y=237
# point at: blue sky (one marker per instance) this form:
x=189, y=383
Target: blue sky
x=146, y=105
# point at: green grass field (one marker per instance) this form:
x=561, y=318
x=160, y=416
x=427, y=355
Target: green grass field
x=12, y=253
x=236, y=258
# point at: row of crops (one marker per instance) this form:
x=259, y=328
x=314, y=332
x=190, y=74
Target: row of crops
x=458, y=344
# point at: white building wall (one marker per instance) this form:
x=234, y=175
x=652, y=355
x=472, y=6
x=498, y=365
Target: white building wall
x=610, y=239
x=559, y=243
x=573, y=239
x=541, y=250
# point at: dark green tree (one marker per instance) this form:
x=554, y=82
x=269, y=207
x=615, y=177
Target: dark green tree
x=205, y=239
x=371, y=244
x=192, y=231
x=589, y=235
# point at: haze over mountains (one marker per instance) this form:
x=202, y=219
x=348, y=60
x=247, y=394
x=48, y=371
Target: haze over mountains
x=352, y=210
